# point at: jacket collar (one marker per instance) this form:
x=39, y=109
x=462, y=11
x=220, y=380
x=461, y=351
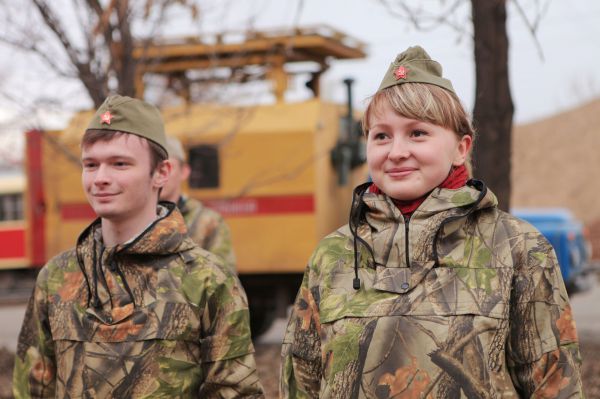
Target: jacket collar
x=468, y=198
x=385, y=228
x=164, y=236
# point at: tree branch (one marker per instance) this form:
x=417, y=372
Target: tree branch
x=531, y=27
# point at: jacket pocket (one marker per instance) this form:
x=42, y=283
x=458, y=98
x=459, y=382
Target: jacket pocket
x=160, y=320
x=441, y=291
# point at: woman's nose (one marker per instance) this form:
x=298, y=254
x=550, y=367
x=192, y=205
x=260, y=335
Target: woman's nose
x=399, y=149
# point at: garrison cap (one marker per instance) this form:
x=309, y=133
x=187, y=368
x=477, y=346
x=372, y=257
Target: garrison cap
x=130, y=115
x=414, y=65
x=175, y=148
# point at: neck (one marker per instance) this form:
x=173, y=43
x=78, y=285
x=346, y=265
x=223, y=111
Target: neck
x=175, y=197
x=116, y=232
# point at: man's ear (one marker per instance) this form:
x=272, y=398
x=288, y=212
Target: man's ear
x=161, y=173
x=185, y=171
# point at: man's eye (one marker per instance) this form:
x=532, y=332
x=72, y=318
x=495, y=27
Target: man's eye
x=88, y=165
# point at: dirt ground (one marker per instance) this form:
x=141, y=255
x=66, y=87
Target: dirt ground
x=267, y=358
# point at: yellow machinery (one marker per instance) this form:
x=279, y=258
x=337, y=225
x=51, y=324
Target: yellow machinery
x=281, y=174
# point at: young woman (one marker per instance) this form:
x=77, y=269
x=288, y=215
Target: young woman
x=430, y=291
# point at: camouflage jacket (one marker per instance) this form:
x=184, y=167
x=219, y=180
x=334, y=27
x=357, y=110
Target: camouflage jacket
x=462, y=300
x=208, y=229
x=156, y=317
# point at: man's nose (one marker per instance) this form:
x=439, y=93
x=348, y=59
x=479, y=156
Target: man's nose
x=102, y=175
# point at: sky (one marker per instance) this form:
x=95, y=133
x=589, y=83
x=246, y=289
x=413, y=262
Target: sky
x=564, y=75
x=568, y=34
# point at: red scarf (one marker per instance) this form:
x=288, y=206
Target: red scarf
x=457, y=178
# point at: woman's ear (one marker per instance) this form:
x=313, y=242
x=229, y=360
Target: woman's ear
x=462, y=150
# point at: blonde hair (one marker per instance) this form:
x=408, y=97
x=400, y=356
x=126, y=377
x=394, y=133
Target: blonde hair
x=425, y=102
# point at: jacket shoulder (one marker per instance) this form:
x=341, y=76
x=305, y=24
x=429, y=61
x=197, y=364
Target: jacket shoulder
x=331, y=249
x=197, y=259
x=56, y=268
x=516, y=227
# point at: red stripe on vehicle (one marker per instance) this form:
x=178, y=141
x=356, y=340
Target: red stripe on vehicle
x=252, y=206
x=235, y=207
x=35, y=193
x=13, y=243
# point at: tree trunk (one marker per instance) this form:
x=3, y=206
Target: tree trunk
x=126, y=63
x=493, y=111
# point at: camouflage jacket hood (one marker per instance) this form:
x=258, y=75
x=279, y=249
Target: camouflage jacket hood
x=439, y=208
x=155, y=317
x=461, y=300
x=165, y=237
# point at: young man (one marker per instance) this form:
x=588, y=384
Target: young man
x=136, y=309
x=206, y=227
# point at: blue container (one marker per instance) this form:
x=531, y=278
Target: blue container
x=566, y=234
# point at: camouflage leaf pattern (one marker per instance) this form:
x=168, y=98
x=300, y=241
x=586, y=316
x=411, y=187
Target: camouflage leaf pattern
x=171, y=322
x=488, y=317
x=208, y=229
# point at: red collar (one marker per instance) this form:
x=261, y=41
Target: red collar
x=457, y=178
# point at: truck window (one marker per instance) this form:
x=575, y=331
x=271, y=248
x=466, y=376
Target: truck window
x=204, y=162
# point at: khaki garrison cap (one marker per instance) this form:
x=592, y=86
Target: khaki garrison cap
x=415, y=66
x=175, y=148
x=130, y=115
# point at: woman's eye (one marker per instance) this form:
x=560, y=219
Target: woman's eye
x=419, y=133
x=380, y=136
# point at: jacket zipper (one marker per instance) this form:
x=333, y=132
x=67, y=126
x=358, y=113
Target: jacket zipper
x=406, y=222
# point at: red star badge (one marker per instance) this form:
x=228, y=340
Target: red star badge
x=106, y=117
x=401, y=72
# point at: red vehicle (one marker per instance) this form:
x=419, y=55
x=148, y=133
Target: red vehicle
x=12, y=224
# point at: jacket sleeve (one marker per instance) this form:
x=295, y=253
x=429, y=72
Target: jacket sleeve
x=227, y=353
x=543, y=349
x=34, y=374
x=300, y=374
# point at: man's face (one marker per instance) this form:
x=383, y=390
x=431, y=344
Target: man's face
x=179, y=174
x=117, y=179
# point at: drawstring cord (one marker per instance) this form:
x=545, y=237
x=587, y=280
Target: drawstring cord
x=358, y=192
x=114, y=266
x=356, y=281
x=96, y=298
x=87, y=281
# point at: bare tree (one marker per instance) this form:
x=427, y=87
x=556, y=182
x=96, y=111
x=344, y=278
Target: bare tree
x=88, y=40
x=493, y=109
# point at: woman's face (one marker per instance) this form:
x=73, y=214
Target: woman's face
x=407, y=158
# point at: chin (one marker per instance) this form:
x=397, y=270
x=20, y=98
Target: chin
x=104, y=212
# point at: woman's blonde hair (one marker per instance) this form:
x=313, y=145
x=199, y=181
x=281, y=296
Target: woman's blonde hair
x=424, y=102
